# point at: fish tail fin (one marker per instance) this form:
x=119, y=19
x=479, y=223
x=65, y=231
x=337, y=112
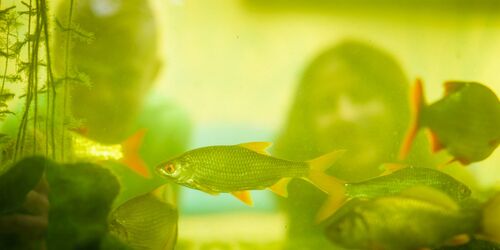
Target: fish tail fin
x=334, y=187
x=131, y=157
x=490, y=220
x=417, y=103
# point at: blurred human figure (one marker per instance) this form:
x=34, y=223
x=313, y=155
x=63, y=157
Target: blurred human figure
x=121, y=63
x=119, y=58
x=352, y=97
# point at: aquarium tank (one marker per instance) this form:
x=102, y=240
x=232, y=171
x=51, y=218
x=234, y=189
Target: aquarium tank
x=249, y=124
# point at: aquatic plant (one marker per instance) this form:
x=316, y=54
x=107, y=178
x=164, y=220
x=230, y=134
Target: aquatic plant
x=29, y=76
x=25, y=49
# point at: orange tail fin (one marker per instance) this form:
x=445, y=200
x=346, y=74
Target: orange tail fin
x=417, y=103
x=131, y=156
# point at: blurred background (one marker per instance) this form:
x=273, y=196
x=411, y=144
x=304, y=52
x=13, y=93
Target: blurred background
x=235, y=67
x=311, y=76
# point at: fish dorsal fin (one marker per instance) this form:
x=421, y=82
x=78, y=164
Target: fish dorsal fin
x=430, y=195
x=391, y=167
x=165, y=193
x=280, y=187
x=244, y=196
x=258, y=147
x=452, y=86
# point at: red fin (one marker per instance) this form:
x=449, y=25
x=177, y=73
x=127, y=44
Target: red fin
x=80, y=130
x=131, y=156
x=452, y=86
x=243, y=196
x=436, y=145
x=462, y=160
x=494, y=143
x=417, y=103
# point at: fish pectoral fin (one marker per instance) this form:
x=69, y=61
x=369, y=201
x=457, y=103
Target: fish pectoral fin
x=462, y=160
x=436, y=145
x=210, y=192
x=494, y=143
x=258, y=147
x=442, y=166
x=280, y=187
x=243, y=196
x=206, y=190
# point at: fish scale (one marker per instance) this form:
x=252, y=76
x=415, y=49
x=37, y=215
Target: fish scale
x=239, y=168
x=146, y=222
x=389, y=223
x=229, y=168
x=407, y=178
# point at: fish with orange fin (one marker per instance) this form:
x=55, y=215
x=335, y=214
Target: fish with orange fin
x=126, y=153
x=393, y=181
x=239, y=168
x=465, y=122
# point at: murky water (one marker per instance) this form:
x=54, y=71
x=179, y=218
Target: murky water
x=105, y=92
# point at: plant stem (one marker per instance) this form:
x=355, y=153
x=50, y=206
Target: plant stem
x=66, y=74
x=50, y=83
x=6, y=57
x=21, y=130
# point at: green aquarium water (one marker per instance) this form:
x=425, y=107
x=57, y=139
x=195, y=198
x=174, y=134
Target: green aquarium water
x=249, y=124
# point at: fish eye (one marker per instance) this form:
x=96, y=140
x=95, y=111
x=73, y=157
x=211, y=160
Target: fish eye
x=169, y=168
